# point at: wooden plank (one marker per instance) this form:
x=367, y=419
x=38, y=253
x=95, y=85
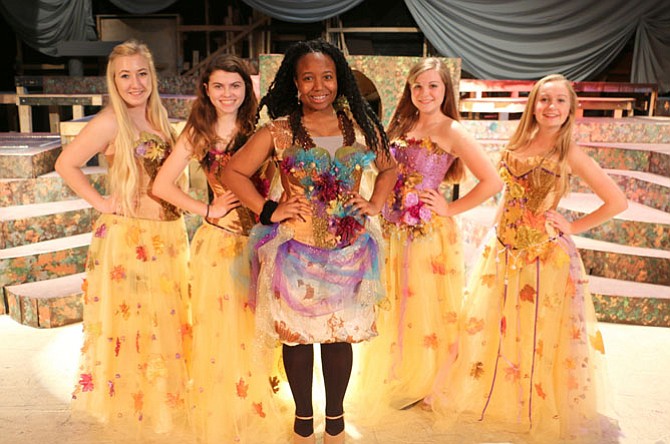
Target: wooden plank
x=60, y=99
x=508, y=105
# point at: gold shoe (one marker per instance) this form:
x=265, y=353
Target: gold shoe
x=334, y=439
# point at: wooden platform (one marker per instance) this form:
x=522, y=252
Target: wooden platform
x=504, y=106
x=620, y=96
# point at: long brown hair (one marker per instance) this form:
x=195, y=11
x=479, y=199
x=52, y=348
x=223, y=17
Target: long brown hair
x=406, y=114
x=528, y=127
x=200, y=127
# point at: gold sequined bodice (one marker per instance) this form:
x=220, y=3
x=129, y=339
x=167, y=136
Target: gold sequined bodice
x=326, y=183
x=150, y=152
x=522, y=222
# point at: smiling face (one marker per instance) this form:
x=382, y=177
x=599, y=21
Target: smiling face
x=226, y=91
x=316, y=81
x=133, y=79
x=552, y=106
x=428, y=91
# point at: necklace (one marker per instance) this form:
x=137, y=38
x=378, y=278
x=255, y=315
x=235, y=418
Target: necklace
x=302, y=137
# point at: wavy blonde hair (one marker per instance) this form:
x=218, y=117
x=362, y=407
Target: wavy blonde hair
x=528, y=127
x=124, y=174
x=406, y=114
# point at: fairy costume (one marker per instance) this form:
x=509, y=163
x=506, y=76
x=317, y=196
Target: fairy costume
x=530, y=352
x=317, y=279
x=230, y=398
x=136, y=327
x=424, y=275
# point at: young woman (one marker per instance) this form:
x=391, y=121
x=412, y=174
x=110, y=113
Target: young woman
x=230, y=394
x=316, y=258
x=135, y=304
x=530, y=350
x=425, y=264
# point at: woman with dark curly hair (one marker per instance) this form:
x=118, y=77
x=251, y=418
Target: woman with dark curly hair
x=227, y=383
x=315, y=258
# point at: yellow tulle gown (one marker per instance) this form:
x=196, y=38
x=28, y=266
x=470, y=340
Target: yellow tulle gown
x=232, y=397
x=530, y=357
x=423, y=275
x=136, y=329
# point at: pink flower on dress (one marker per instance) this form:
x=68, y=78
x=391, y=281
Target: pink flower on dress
x=411, y=199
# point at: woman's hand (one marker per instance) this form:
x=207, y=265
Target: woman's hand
x=362, y=206
x=108, y=205
x=435, y=202
x=294, y=207
x=222, y=204
x=559, y=222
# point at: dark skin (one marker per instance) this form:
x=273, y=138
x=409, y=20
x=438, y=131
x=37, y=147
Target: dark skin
x=316, y=82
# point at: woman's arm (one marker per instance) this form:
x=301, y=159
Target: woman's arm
x=384, y=182
x=240, y=168
x=166, y=188
x=614, y=201
x=93, y=139
x=472, y=154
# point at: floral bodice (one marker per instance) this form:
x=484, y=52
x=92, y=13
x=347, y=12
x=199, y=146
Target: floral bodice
x=422, y=165
x=327, y=183
x=241, y=219
x=523, y=223
x=150, y=153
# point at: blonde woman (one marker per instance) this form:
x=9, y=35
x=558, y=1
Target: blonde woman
x=136, y=329
x=530, y=352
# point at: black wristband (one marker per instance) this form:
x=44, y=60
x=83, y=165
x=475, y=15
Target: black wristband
x=266, y=214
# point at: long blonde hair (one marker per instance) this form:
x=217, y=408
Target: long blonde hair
x=528, y=127
x=124, y=174
x=406, y=114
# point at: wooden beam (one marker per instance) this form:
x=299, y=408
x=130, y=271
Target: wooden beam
x=237, y=38
x=374, y=30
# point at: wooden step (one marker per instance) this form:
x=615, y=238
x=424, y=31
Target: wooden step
x=28, y=156
x=28, y=224
x=628, y=302
x=48, y=187
x=638, y=226
x=43, y=260
x=47, y=304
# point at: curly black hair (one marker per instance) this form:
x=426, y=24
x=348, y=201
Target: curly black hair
x=281, y=98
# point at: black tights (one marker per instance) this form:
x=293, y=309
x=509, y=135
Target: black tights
x=336, y=360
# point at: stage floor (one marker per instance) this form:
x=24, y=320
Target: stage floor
x=37, y=371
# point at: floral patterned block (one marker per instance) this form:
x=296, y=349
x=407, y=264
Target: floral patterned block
x=45, y=312
x=53, y=226
x=637, y=190
x=659, y=163
x=491, y=130
x=387, y=74
x=628, y=130
x=619, y=159
x=626, y=232
x=653, y=270
x=55, y=312
x=43, y=189
x=41, y=266
x=639, y=311
x=29, y=165
x=178, y=106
